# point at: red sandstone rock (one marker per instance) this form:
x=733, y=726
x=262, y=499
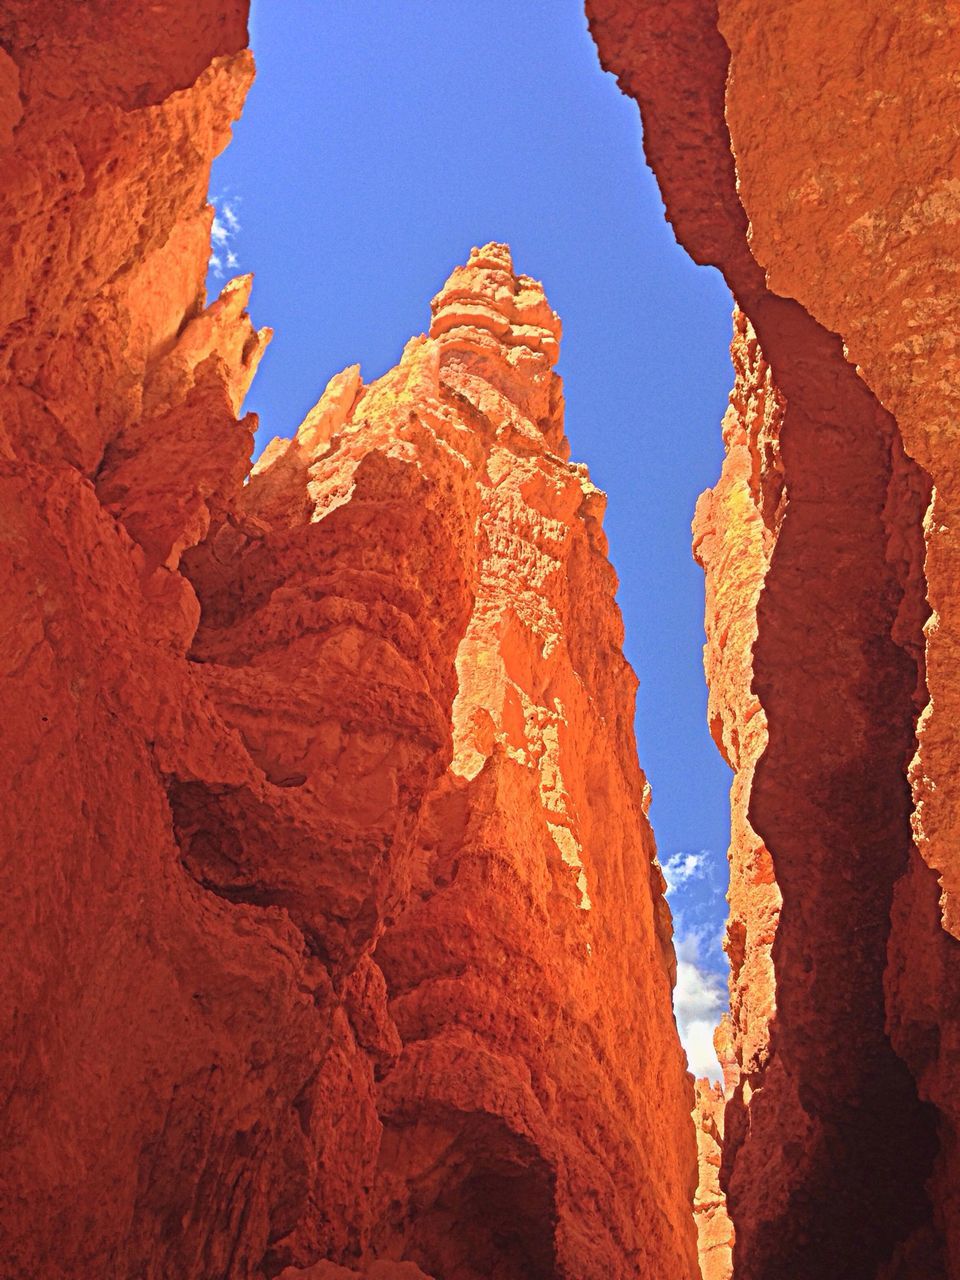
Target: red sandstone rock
x=853, y=211
x=333, y=934
x=715, y=1233
x=845, y=1003
x=734, y=532
x=714, y=1229
x=868, y=246
x=535, y=838
x=509, y=1146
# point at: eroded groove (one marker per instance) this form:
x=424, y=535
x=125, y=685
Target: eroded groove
x=831, y=801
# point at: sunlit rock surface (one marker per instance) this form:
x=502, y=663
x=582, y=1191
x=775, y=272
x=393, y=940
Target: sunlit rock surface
x=333, y=939
x=715, y=1235
x=521, y=965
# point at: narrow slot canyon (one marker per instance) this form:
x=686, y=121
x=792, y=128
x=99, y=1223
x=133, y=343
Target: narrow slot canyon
x=336, y=941
x=839, y=1135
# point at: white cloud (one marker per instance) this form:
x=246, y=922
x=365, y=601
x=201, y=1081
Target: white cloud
x=223, y=233
x=699, y=999
x=700, y=996
x=681, y=867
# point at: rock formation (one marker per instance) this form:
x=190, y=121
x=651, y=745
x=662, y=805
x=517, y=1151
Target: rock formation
x=715, y=1235
x=334, y=940
x=808, y=153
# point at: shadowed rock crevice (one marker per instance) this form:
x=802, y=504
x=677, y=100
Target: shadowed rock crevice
x=816, y=656
x=832, y=804
x=484, y=1198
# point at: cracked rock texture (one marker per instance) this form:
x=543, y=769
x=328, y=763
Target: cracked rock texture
x=811, y=155
x=333, y=939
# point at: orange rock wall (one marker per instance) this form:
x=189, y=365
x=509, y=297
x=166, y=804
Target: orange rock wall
x=333, y=937
x=809, y=155
x=714, y=1229
x=735, y=530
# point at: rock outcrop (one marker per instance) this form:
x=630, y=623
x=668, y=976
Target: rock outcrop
x=333, y=936
x=808, y=154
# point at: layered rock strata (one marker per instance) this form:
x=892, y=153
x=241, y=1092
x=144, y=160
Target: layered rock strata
x=808, y=155
x=333, y=937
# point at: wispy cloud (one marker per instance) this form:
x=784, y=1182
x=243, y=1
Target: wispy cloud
x=699, y=999
x=681, y=867
x=223, y=235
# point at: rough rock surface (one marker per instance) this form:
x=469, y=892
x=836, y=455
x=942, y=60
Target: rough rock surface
x=810, y=155
x=715, y=1234
x=506, y=990
x=333, y=939
x=735, y=530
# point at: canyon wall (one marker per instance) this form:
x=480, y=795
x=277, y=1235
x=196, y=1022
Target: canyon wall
x=811, y=155
x=333, y=938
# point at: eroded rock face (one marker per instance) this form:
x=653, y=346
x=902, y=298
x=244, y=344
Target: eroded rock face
x=334, y=940
x=839, y=1154
x=511, y=1142
x=333, y=936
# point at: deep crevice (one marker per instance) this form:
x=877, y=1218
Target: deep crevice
x=831, y=801
x=825, y=1166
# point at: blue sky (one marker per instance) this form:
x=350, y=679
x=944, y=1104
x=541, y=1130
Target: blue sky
x=379, y=143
